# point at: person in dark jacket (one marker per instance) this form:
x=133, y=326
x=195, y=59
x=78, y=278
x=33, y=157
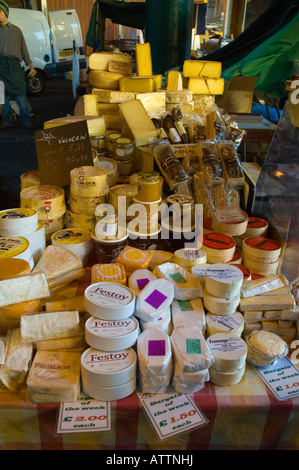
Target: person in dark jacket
x=13, y=51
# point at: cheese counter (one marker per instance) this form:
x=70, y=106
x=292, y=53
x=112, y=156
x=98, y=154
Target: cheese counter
x=245, y=416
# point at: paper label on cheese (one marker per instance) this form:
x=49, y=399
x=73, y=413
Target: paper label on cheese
x=141, y=283
x=257, y=222
x=156, y=347
x=262, y=244
x=114, y=329
x=14, y=246
x=156, y=299
x=108, y=362
x=109, y=294
x=71, y=236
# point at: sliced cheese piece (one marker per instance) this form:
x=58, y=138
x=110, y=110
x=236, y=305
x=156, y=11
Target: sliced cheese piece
x=95, y=124
x=112, y=96
x=87, y=105
x=190, y=349
x=141, y=85
x=137, y=122
x=113, y=272
x=226, y=379
x=23, y=288
x=203, y=103
x=291, y=314
x=154, y=353
x=252, y=315
x=188, y=313
x=220, y=305
x=76, y=240
x=202, y=68
x=144, y=64
x=223, y=280
x=263, y=285
x=50, y=325
x=206, y=86
x=186, y=286
x=174, y=81
x=233, y=324
x=54, y=377
x=101, y=60
x=17, y=360
x=154, y=299
x=105, y=79
x=68, y=304
x=267, y=302
x=62, y=344
x=57, y=261
x=229, y=351
x=153, y=102
x=139, y=279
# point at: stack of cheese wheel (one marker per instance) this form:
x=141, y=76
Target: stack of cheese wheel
x=188, y=257
x=24, y=221
x=261, y=255
x=109, y=366
x=16, y=247
x=222, y=289
x=155, y=362
x=220, y=248
x=192, y=359
x=233, y=229
x=229, y=352
x=77, y=240
x=30, y=178
x=49, y=203
x=10, y=315
x=88, y=188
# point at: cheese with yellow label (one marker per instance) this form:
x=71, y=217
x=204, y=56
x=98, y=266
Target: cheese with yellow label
x=113, y=272
x=137, y=123
x=89, y=181
x=144, y=64
x=202, y=68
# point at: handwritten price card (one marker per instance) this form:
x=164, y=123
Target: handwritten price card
x=60, y=149
x=171, y=413
x=282, y=379
x=85, y=415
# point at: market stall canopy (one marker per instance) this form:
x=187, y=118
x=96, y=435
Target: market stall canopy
x=266, y=49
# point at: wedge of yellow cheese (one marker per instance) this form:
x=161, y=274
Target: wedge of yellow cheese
x=141, y=84
x=206, y=86
x=87, y=105
x=144, y=64
x=174, y=81
x=202, y=68
x=96, y=124
x=137, y=123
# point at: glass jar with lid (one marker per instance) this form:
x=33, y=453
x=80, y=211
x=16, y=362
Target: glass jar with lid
x=123, y=148
x=110, y=140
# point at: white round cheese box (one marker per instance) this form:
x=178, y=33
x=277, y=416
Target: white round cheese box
x=223, y=280
x=109, y=301
x=229, y=351
x=109, y=393
x=233, y=324
x=220, y=305
x=108, y=369
x=111, y=335
x=226, y=379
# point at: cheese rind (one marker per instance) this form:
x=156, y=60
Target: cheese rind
x=105, y=79
x=206, y=86
x=50, y=325
x=137, y=122
x=220, y=305
x=223, y=280
x=23, y=288
x=174, y=81
x=267, y=302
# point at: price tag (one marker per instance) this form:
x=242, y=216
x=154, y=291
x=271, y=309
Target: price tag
x=171, y=413
x=228, y=215
x=282, y=379
x=84, y=415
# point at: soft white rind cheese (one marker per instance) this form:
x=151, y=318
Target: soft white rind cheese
x=154, y=352
x=233, y=324
x=154, y=299
x=164, y=322
x=186, y=286
x=50, y=325
x=139, y=279
x=188, y=313
x=23, y=288
x=190, y=349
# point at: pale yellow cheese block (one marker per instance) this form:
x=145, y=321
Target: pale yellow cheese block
x=144, y=64
x=206, y=86
x=108, y=108
x=96, y=124
x=154, y=102
x=180, y=96
x=174, y=81
x=87, y=105
x=120, y=67
x=112, y=96
x=144, y=84
x=137, y=123
x=100, y=60
x=105, y=79
x=202, y=68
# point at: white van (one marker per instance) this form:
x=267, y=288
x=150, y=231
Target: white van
x=50, y=49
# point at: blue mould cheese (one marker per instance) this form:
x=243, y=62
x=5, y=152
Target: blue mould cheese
x=186, y=285
x=188, y=313
x=190, y=349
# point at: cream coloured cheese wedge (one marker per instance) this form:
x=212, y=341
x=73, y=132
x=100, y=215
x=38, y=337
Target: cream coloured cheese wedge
x=188, y=313
x=190, y=349
x=50, y=325
x=154, y=299
x=154, y=352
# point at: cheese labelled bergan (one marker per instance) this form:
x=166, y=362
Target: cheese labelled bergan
x=109, y=301
x=190, y=349
x=54, y=377
x=229, y=351
x=223, y=280
x=111, y=335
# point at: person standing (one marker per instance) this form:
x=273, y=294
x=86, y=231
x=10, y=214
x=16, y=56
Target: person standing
x=13, y=50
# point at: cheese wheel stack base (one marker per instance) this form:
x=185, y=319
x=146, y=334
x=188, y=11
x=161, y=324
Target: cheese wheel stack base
x=261, y=255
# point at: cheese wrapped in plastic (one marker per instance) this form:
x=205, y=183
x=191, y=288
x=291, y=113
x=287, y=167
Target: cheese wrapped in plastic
x=54, y=377
x=186, y=285
x=50, y=325
x=190, y=349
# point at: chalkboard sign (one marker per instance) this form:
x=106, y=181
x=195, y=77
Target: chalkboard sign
x=60, y=149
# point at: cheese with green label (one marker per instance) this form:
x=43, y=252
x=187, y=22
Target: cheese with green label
x=186, y=286
x=188, y=313
x=190, y=349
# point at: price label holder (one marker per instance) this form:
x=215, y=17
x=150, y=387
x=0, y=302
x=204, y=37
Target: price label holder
x=171, y=413
x=282, y=379
x=84, y=415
